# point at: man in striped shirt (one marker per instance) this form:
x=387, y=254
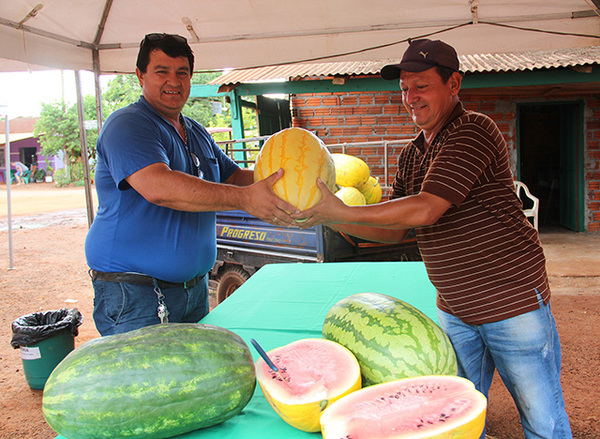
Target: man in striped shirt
x=455, y=187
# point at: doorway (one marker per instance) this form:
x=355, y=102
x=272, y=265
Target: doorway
x=273, y=115
x=28, y=155
x=550, y=161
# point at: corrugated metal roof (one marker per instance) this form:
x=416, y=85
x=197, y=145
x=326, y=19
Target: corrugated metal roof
x=487, y=62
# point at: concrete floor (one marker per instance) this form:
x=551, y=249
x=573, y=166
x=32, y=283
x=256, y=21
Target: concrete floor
x=573, y=261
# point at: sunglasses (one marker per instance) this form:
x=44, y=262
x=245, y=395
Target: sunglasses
x=196, y=163
x=154, y=37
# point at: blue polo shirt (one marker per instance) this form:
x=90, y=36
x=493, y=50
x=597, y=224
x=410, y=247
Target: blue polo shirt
x=129, y=234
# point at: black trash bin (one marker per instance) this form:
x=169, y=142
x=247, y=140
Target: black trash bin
x=45, y=338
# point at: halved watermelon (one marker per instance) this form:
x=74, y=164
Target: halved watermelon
x=433, y=406
x=312, y=374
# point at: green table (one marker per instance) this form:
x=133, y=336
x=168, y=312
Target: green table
x=286, y=302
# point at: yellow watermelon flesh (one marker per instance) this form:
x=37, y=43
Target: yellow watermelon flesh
x=423, y=407
x=312, y=374
x=304, y=158
x=350, y=171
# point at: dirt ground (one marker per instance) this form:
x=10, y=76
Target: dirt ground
x=49, y=272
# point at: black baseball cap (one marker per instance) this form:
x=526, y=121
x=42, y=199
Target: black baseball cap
x=422, y=55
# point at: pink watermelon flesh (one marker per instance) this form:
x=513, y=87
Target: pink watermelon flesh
x=308, y=370
x=419, y=407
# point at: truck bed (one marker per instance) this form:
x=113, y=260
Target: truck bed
x=246, y=243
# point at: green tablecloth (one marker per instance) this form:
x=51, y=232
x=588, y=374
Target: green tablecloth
x=286, y=302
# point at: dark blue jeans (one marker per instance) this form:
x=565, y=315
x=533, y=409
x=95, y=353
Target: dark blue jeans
x=121, y=307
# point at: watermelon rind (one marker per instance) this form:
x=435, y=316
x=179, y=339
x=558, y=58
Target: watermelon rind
x=154, y=382
x=390, y=338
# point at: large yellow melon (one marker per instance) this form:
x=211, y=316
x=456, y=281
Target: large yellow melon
x=351, y=196
x=350, y=171
x=372, y=191
x=304, y=158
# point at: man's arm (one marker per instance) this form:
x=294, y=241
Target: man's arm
x=177, y=190
x=384, y=222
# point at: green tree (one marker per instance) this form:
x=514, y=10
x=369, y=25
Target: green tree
x=125, y=89
x=58, y=126
x=89, y=110
x=58, y=131
x=121, y=91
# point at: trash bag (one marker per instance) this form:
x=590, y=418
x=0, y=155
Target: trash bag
x=33, y=328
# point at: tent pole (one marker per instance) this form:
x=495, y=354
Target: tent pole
x=99, y=115
x=84, y=151
x=8, y=182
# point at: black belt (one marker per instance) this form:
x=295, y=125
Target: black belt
x=142, y=279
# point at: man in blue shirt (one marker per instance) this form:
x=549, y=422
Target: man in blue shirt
x=160, y=177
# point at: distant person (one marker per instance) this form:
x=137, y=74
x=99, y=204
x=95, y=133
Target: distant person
x=20, y=169
x=160, y=177
x=454, y=185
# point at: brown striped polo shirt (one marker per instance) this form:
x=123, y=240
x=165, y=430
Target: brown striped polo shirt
x=483, y=256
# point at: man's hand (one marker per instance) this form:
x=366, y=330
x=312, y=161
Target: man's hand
x=330, y=210
x=263, y=202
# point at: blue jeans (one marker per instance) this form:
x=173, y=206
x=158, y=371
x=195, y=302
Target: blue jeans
x=121, y=307
x=526, y=352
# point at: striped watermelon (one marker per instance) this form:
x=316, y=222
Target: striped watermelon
x=154, y=382
x=390, y=338
x=304, y=158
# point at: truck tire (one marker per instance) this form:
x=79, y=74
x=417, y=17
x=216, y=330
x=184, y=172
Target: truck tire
x=231, y=279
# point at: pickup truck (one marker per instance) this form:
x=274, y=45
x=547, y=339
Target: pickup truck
x=245, y=244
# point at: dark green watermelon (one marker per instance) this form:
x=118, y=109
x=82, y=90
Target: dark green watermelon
x=154, y=382
x=390, y=338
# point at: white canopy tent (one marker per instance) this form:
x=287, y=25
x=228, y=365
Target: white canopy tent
x=103, y=35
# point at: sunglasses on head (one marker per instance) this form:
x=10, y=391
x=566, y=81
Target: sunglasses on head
x=154, y=37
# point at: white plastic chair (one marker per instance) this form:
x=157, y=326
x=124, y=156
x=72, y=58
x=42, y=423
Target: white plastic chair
x=533, y=211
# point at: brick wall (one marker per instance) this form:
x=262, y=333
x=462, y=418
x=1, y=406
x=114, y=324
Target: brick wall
x=357, y=117
x=352, y=117
x=592, y=165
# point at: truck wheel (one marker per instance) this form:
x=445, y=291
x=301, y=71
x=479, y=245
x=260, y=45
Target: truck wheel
x=230, y=281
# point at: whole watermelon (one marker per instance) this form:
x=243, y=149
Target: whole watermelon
x=390, y=338
x=154, y=382
x=304, y=158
